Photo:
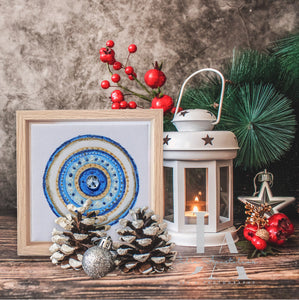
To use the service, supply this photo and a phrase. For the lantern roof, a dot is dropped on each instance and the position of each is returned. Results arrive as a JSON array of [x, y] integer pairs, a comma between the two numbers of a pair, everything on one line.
[[200, 145]]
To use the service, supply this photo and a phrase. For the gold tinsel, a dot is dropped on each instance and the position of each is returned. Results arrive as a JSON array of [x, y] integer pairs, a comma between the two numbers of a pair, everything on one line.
[[256, 214]]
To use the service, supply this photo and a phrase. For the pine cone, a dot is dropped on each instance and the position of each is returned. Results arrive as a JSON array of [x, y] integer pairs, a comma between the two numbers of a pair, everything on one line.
[[145, 246], [69, 246]]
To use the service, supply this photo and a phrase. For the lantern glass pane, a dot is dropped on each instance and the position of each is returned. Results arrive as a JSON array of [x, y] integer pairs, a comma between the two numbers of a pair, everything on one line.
[[196, 193], [168, 194], [224, 194]]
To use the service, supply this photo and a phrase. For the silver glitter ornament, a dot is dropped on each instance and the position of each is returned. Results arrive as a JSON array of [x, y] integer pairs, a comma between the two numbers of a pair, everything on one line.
[[98, 261]]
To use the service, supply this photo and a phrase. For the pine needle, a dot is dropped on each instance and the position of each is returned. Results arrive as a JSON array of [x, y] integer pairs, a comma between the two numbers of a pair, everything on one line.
[[263, 122]]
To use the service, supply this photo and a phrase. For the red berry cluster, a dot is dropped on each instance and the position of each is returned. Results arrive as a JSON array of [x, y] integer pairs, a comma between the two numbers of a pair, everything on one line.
[[276, 231], [153, 78], [107, 55]]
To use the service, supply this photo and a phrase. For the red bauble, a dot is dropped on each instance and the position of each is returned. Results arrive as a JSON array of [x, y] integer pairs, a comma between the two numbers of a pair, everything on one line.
[[105, 84], [110, 43], [117, 96], [165, 102], [115, 105], [155, 78], [132, 104], [276, 235], [117, 65], [283, 222], [258, 243], [115, 78], [129, 70], [249, 231], [132, 48], [123, 104]]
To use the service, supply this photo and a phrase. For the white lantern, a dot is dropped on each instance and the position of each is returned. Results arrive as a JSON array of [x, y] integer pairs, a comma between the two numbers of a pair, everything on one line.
[[198, 175]]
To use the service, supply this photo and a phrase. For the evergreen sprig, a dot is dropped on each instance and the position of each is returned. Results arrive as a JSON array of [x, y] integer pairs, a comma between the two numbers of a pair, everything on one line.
[[251, 66], [263, 121], [286, 52]]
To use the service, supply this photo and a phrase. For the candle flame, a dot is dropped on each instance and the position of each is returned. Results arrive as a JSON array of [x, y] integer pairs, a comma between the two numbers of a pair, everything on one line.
[[196, 199]]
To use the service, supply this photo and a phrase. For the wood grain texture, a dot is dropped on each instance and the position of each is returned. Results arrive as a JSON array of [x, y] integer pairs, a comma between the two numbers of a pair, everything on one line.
[[35, 277]]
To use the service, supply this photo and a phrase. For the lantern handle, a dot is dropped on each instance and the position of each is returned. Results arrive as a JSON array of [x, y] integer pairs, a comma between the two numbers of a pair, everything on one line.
[[221, 94]]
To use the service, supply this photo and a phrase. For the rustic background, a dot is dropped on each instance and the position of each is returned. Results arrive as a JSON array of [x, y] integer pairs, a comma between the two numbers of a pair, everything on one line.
[[49, 50]]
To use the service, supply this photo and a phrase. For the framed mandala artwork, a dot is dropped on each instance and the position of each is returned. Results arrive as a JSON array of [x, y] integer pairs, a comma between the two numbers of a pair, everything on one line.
[[110, 157]]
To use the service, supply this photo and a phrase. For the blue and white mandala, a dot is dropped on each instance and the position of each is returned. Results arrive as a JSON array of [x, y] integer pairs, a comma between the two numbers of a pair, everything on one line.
[[91, 167]]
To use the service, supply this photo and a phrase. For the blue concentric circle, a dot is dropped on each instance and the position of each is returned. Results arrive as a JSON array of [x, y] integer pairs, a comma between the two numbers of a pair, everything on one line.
[[93, 182], [78, 167], [91, 167]]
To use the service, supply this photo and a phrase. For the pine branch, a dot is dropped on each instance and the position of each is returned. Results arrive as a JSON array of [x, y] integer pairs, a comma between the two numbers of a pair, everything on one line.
[[263, 122]]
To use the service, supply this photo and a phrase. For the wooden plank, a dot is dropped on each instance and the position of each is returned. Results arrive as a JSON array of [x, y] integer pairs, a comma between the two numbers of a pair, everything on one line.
[[210, 275]]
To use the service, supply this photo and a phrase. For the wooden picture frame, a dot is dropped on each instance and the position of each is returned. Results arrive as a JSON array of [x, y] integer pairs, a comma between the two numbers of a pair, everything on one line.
[[36, 135]]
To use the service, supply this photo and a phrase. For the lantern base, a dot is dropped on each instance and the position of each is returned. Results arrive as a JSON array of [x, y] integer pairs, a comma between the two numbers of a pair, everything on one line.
[[212, 239]]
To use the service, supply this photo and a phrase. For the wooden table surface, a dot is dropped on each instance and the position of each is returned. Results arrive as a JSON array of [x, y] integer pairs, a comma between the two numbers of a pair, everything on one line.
[[194, 276]]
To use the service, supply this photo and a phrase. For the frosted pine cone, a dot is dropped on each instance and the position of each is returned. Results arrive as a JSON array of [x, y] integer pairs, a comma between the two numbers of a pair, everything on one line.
[[145, 245], [81, 231]]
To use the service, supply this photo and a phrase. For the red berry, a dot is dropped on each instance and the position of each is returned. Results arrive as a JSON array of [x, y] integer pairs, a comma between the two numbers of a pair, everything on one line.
[[249, 231], [115, 105], [115, 78], [258, 243], [117, 65], [111, 61], [165, 102], [132, 76], [283, 222], [110, 43], [102, 50], [132, 48], [132, 104], [155, 77], [107, 55], [276, 235], [174, 108], [105, 84], [117, 96], [103, 57], [123, 104], [129, 70]]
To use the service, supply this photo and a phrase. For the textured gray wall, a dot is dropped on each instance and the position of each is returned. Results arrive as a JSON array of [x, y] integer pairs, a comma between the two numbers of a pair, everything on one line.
[[49, 50]]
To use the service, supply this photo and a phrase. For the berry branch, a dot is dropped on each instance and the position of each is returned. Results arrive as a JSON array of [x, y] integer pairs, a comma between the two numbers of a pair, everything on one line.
[[154, 79]]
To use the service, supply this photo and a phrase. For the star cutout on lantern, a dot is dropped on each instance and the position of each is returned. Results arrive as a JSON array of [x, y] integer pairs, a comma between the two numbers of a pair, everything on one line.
[[208, 140], [166, 140], [184, 112], [265, 196]]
